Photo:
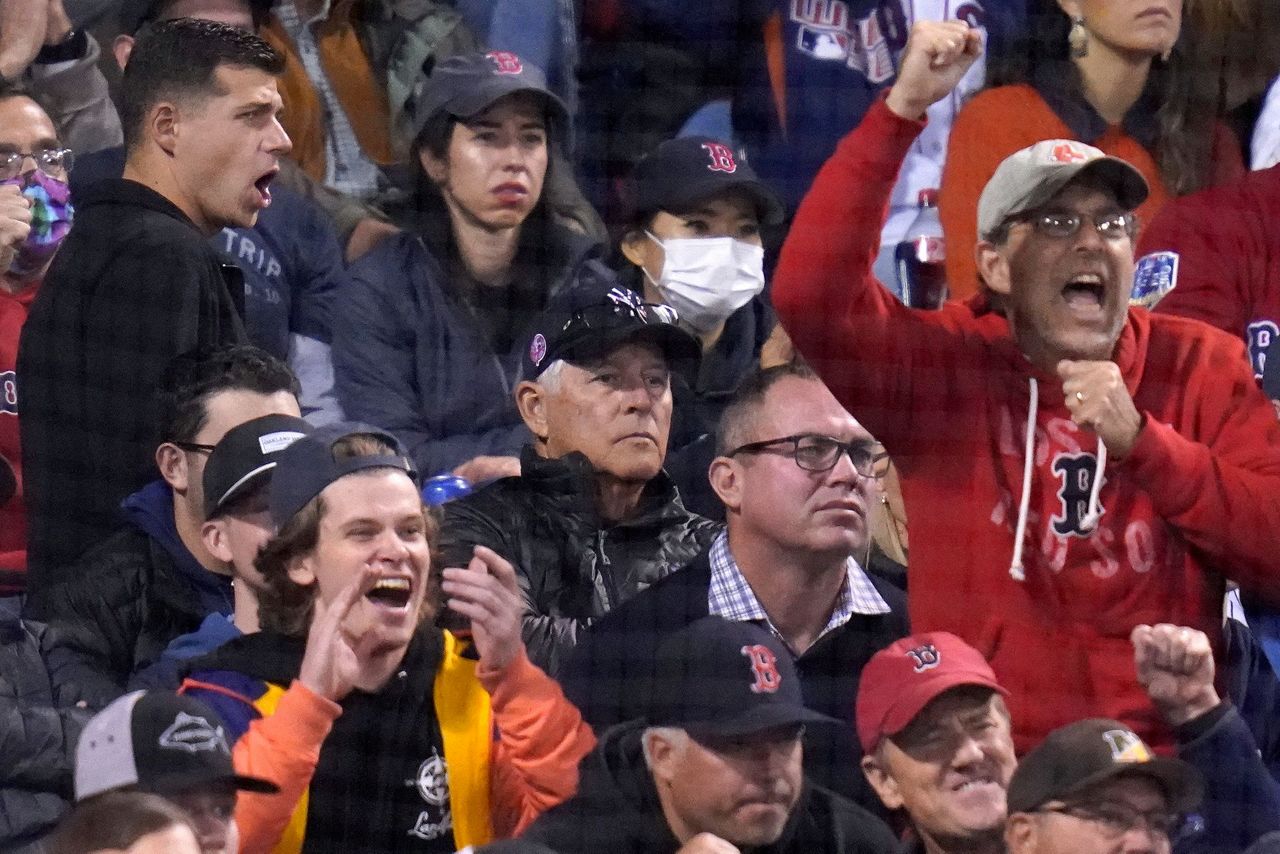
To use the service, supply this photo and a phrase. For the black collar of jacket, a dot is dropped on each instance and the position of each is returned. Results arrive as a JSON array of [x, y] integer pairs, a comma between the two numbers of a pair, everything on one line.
[[117, 191], [570, 482], [277, 658], [1062, 91]]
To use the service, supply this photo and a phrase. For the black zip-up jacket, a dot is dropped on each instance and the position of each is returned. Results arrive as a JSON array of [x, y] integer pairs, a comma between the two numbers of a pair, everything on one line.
[[39, 725], [617, 810], [572, 566], [135, 284]]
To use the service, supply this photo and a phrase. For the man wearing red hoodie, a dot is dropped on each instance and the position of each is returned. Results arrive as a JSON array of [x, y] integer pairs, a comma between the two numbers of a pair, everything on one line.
[[1071, 468]]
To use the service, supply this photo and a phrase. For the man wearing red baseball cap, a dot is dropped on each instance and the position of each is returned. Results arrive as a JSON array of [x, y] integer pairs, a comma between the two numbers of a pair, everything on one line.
[[937, 741]]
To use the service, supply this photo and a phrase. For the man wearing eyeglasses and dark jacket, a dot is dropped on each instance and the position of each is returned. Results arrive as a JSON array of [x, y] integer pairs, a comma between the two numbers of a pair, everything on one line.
[[794, 471], [592, 519]]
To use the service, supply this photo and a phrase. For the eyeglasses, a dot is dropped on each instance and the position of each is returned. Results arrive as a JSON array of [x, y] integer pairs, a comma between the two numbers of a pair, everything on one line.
[[1118, 818], [193, 447], [818, 453], [1060, 225], [52, 161]]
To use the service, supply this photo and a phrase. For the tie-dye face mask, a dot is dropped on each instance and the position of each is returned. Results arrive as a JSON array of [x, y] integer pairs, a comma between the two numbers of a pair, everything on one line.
[[51, 213]]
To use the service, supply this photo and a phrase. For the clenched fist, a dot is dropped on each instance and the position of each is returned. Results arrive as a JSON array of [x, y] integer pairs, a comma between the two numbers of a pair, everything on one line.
[[15, 222]]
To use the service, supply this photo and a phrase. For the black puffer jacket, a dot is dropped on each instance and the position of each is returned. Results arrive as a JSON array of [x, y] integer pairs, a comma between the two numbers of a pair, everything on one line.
[[39, 725], [572, 566], [617, 810]]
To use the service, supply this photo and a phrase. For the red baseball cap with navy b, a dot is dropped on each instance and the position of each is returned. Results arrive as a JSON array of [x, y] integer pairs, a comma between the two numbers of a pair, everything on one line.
[[904, 677]]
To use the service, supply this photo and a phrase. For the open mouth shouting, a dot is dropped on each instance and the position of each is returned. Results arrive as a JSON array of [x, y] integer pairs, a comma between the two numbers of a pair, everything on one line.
[[263, 185], [1085, 296], [392, 592]]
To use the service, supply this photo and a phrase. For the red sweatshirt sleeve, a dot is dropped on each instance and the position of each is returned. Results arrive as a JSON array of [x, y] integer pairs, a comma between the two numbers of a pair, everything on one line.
[[283, 748], [888, 364], [1223, 493], [541, 739]]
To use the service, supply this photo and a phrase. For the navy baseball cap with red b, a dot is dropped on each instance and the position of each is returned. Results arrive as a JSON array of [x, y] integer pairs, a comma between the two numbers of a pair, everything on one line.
[[721, 678], [682, 173], [904, 677], [467, 84]]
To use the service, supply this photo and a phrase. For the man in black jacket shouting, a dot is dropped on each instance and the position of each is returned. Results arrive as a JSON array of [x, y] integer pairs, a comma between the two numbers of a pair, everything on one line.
[[592, 519], [137, 282]]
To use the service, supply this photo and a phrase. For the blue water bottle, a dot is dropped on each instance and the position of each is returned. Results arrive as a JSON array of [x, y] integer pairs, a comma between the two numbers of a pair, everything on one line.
[[443, 488]]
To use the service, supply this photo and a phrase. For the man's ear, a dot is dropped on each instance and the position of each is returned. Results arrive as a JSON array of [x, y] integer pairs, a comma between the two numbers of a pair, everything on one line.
[[662, 756], [993, 267], [302, 571], [1071, 7], [122, 49], [885, 785], [1020, 834], [172, 463], [531, 403], [162, 126], [725, 475], [214, 535]]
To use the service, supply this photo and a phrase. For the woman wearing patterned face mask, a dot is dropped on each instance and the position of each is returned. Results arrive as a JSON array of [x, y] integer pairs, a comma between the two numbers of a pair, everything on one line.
[[694, 242], [35, 216]]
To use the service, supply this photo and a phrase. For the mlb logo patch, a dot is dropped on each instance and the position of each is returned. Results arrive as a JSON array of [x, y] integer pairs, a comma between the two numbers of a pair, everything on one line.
[[1154, 276], [823, 44]]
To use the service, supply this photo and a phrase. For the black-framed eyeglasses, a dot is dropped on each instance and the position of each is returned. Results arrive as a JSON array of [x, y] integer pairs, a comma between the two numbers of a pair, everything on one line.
[[1116, 818], [817, 453], [52, 161], [193, 447], [1061, 225]]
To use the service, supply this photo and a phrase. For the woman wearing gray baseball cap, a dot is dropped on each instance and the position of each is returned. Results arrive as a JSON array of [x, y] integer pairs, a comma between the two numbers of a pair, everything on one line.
[[429, 341]]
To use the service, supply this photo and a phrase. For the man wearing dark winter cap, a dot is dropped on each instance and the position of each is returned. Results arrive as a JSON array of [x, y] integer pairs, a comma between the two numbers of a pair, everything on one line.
[[592, 519], [1072, 468], [714, 765], [172, 746], [936, 737]]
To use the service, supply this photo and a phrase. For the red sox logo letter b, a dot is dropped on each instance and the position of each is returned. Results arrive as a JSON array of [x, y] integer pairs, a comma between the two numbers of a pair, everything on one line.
[[505, 61], [925, 657], [1068, 153], [764, 665], [722, 159]]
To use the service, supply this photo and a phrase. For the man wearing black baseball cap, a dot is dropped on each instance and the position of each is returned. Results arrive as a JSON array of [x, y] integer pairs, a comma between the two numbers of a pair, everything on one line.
[[714, 765], [1091, 785], [592, 519], [169, 745], [694, 240]]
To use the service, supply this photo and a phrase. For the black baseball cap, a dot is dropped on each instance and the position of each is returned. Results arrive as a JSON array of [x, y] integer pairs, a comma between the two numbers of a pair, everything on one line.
[[307, 466], [245, 457], [465, 85], [720, 678], [586, 324], [160, 742], [1079, 756], [134, 13], [681, 173]]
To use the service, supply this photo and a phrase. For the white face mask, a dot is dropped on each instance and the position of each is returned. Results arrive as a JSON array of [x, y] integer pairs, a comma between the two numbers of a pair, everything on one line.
[[706, 279]]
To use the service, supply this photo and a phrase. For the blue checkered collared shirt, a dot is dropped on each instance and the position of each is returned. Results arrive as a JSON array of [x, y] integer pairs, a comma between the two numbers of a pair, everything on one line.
[[731, 597]]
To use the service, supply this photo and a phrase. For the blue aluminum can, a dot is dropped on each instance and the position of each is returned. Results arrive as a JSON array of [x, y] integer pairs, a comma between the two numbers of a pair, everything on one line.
[[443, 488]]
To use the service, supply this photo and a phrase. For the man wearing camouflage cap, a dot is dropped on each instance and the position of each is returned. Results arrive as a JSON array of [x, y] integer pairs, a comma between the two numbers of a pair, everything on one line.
[[1072, 467]]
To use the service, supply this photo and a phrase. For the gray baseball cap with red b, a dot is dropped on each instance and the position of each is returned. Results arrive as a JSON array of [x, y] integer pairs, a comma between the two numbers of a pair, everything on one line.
[[1027, 179]]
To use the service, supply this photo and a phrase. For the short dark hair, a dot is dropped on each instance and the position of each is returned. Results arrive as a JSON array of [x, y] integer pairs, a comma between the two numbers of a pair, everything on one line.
[[115, 819], [177, 59], [190, 379], [748, 397], [284, 606]]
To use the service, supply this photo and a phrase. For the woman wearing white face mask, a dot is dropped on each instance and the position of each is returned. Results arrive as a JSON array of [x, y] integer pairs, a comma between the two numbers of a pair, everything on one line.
[[694, 242]]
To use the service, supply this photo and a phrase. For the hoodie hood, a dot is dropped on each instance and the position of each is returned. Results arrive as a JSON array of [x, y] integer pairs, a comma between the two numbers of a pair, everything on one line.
[[150, 510]]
